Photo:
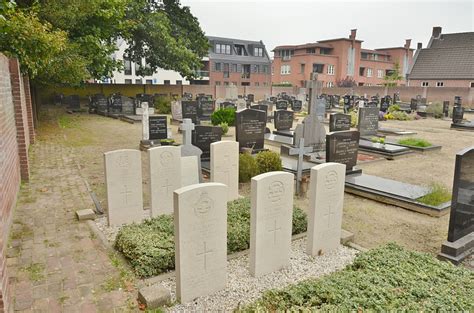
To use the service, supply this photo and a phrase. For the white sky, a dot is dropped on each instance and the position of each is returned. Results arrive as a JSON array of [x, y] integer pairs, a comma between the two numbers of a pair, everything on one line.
[[379, 23]]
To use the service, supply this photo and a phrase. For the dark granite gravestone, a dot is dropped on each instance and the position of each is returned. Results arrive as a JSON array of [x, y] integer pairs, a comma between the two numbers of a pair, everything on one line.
[[371, 104], [187, 96], [261, 107], [128, 107], [319, 108], [190, 110], [347, 103], [73, 103], [339, 122], [342, 147], [283, 119], [273, 99], [396, 97], [144, 97], [413, 104], [98, 103], [384, 105], [115, 104], [228, 104], [368, 121], [446, 108], [337, 99], [297, 105], [458, 114], [250, 98], [460, 242], [282, 105], [250, 128], [58, 98], [202, 138], [205, 109], [158, 127]]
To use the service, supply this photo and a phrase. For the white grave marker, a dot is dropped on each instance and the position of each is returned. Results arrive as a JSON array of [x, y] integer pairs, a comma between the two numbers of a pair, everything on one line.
[[189, 171], [225, 166], [145, 122]]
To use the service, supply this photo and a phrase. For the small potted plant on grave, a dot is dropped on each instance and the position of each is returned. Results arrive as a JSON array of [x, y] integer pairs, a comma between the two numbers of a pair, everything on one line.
[[167, 142]]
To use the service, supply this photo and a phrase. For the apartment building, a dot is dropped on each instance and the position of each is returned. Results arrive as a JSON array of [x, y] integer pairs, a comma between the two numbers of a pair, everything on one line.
[[337, 59], [448, 61]]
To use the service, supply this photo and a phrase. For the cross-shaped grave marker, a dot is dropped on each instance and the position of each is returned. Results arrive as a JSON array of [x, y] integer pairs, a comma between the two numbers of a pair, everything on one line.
[[205, 252], [300, 151], [187, 149], [145, 122], [187, 128], [167, 185], [274, 231]]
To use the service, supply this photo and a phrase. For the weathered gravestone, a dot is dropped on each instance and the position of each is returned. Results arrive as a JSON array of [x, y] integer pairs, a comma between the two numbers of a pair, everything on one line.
[[297, 105], [176, 111], [128, 107], [282, 105], [225, 166], [250, 129], [460, 242], [270, 222], [200, 228], [313, 132], [241, 104], [250, 98], [342, 147], [123, 181], [228, 104], [368, 121], [101, 103], [446, 108], [413, 104], [261, 107], [339, 122], [205, 109], [283, 119], [165, 177], [115, 104], [458, 114], [158, 127], [145, 123], [203, 136], [188, 149], [190, 173], [325, 208], [189, 110], [73, 103]]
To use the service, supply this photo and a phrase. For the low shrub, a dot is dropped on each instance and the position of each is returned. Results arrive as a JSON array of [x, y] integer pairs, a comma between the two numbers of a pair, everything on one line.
[[268, 161], [393, 108], [439, 194], [224, 115], [149, 246], [388, 278], [415, 142], [225, 127], [398, 115], [354, 118], [436, 109], [162, 105], [248, 167]]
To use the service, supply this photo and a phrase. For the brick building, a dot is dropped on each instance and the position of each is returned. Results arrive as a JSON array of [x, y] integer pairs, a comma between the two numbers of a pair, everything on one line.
[[337, 59], [235, 62], [448, 61]]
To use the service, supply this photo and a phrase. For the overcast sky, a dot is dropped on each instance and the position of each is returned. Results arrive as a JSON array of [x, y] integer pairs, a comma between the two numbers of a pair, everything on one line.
[[379, 23]]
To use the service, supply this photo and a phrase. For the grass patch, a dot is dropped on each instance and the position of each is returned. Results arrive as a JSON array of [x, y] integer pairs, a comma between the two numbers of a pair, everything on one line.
[[67, 121], [439, 194], [149, 246], [388, 278], [415, 142], [35, 271]]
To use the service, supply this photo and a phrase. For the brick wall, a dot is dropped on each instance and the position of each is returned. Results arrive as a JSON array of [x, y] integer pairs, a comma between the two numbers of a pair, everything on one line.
[[16, 133]]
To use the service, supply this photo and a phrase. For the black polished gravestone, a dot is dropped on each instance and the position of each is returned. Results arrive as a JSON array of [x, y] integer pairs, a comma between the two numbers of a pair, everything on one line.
[[190, 110], [282, 105], [205, 109], [458, 114], [228, 104], [384, 105], [128, 105], [73, 103], [342, 147], [250, 98], [446, 108], [157, 127], [250, 129], [396, 97], [202, 138], [283, 120], [339, 122], [115, 104], [413, 104], [261, 107], [297, 105], [460, 242], [98, 103], [348, 100], [368, 121]]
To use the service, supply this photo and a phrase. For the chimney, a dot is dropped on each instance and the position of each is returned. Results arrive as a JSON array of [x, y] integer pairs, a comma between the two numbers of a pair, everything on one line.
[[407, 43], [353, 34], [436, 32], [419, 46]]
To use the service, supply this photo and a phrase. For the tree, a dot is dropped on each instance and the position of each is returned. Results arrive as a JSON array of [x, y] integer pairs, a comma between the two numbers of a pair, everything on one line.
[[346, 82], [394, 77]]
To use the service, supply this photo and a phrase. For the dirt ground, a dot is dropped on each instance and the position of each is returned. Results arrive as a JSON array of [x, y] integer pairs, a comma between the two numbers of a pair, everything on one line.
[[372, 223]]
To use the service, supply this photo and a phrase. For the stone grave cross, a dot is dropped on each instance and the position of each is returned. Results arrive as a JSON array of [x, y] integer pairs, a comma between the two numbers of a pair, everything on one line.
[[188, 149], [315, 89], [187, 128], [300, 151], [145, 122]]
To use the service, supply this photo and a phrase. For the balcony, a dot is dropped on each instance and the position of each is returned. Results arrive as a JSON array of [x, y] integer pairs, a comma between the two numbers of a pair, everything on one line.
[[200, 74], [286, 58]]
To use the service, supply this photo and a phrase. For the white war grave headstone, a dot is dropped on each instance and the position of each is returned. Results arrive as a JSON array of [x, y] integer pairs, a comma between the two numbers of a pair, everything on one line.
[[225, 166], [188, 149]]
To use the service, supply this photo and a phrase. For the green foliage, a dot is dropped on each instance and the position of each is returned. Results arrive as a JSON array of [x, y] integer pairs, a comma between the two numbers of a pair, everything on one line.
[[394, 77], [436, 109], [149, 246], [378, 140], [398, 115], [225, 127], [224, 115], [415, 142], [248, 167], [282, 85], [354, 118], [393, 108], [388, 278], [268, 161], [439, 194], [162, 105]]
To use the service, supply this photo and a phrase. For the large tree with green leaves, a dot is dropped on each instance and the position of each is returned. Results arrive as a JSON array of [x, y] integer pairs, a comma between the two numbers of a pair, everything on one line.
[[394, 77]]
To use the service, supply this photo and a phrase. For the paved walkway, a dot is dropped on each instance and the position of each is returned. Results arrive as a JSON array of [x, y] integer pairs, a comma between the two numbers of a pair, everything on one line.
[[56, 264]]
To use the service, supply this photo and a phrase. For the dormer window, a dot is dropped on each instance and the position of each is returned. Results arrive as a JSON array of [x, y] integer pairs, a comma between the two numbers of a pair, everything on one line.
[[240, 50], [222, 49], [258, 52]]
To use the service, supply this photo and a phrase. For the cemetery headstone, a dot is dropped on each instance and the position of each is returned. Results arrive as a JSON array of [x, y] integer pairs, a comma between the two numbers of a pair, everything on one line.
[[165, 177], [342, 147], [225, 166], [187, 148], [297, 105], [339, 122], [446, 108], [250, 98], [228, 104], [396, 97], [347, 103], [282, 105], [115, 104], [128, 107], [187, 96], [200, 227], [261, 107], [283, 119], [158, 127], [145, 122], [325, 208], [176, 110], [241, 104], [270, 222], [190, 173], [300, 151], [368, 121], [189, 110], [312, 131], [458, 114], [73, 102], [205, 109], [413, 104], [250, 129], [203, 136], [123, 181]]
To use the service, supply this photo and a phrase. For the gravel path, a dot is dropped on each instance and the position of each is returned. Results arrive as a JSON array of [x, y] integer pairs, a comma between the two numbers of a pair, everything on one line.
[[243, 288]]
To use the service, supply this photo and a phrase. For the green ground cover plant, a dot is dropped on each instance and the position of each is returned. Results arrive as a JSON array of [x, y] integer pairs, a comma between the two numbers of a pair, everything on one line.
[[386, 279], [149, 246], [224, 115], [439, 194], [415, 142], [268, 161]]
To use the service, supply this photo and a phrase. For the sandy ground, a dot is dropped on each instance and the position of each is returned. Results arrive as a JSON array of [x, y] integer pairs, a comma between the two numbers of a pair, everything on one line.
[[372, 223]]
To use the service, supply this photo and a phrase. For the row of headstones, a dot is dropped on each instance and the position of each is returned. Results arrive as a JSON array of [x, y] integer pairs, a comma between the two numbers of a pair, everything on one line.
[[200, 213], [169, 170]]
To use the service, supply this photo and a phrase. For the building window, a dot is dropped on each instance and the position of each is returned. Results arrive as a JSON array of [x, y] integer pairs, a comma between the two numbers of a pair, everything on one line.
[[127, 65], [364, 56], [128, 81], [137, 68], [472, 84], [265, 69], [222, 49], [226, 83], [256, 69], [265, 84], [302, 66], [286, 54], [234, 83], [167, 82], [218, 66], [258, 52], [138, 81], [240, 50], [331, 69], [324, 51], [234, 68], [424, 84], [218, 83], [285, 70], [361, 71], [330, 84], [439, 84], [380, 73], [369, 72], [257, 84], [226, 70], [179, 82], [310, 50], [318, 68], [149, 81], [375, 57]]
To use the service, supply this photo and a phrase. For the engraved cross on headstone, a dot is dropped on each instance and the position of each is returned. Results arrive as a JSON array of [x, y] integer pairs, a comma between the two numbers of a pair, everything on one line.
[[167, 185], [328, 214], [126, 192], [300, 151], [205, 252], [187, 128], [274, 231]]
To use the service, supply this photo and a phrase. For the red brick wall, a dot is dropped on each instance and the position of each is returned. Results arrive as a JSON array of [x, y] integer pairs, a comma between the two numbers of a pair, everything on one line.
[[29, 108]]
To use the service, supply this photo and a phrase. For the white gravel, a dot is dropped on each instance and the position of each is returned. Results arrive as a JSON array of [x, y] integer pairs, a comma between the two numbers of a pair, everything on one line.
[[243, 288], [111, 232]]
